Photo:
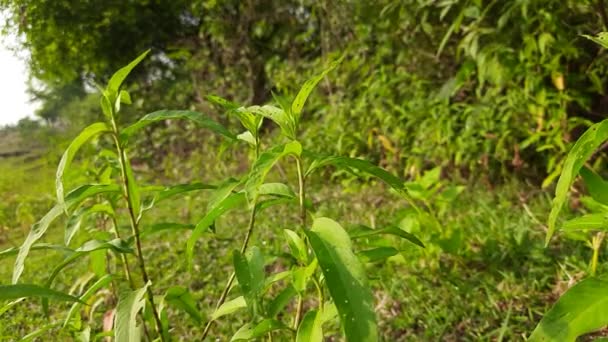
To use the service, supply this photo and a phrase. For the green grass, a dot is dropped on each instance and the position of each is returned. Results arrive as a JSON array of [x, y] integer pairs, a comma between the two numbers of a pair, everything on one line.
[[485, 274]]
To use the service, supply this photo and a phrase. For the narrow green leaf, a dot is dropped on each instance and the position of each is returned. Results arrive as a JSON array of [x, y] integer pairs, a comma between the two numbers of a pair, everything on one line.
[[98, 262], [278, 116], [244, 333], [302, 274], [350, 164], [229, 307], [330, 311], [265, 204], [74, 198], [75, 221], [601, 39], [39, 246], [83, 192], [255, 260], [226, 104], [281, 300], [232, 201], [241, 269], [117, 245], [296, 245], [181, 298], [249, 269], [196, 117], [264, 163], [273, 278], [39, 332], [283, 101], [308, 87], [119, 77], [581, 310], [345, 278], [222, 192], [580, 152], [311, 328], [248, 138], [248, 119], [106, 106], [597, 187], [593, 205], [10, 292], [179, 189], [362, 231], [87, 134], [276, 189], [377, 254], [587, 222], [38, 229], [125, 320], [99, 284], [266, 326], [10, 305], [125, 97]]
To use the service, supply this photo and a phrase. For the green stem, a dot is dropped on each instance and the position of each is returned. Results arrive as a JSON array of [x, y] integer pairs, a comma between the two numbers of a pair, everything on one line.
[[301, 194], [122, 158], [302, 198], [596, 243], [320, 295], [224, 294], [125, 262], [127, 271]]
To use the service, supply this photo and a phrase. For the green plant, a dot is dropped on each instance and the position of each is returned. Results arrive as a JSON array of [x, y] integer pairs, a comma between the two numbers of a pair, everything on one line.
[[582, 309], [320, 258], [116, 186], [321, 270]]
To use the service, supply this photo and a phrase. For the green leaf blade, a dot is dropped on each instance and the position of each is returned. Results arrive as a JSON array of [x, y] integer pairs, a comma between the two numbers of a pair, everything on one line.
[[181, 298], [74, 198], [234, 200], [597, 187], [229, 307], [119, 77], [264, 163], [345, 278], [581, 310], [196, 117], [578, 155], [308, 87], [311, 328], [85, 135], [125, 320]]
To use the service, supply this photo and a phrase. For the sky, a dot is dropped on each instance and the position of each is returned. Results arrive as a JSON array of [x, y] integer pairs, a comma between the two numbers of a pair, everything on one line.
[[15, 103]]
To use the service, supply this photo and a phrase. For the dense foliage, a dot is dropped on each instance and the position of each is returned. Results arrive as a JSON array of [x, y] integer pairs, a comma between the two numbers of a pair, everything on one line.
[[220, 211], [500, 84]]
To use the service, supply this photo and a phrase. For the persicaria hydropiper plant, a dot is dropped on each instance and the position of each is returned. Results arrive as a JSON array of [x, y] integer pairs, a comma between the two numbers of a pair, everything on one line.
[[326, 280]]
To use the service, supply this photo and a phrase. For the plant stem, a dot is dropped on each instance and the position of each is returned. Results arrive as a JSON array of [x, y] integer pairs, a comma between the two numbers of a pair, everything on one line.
[[301, 195], [122, 158], [224, 294], [302, 198], [320, 295], [125, 262], [127, 271], [596, 243]]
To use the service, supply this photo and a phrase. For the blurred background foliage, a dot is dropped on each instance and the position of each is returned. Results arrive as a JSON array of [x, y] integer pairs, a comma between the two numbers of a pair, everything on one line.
[[474, 86]]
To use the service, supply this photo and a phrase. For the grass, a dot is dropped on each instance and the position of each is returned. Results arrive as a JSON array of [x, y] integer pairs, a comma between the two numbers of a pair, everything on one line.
[[485, 274]]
